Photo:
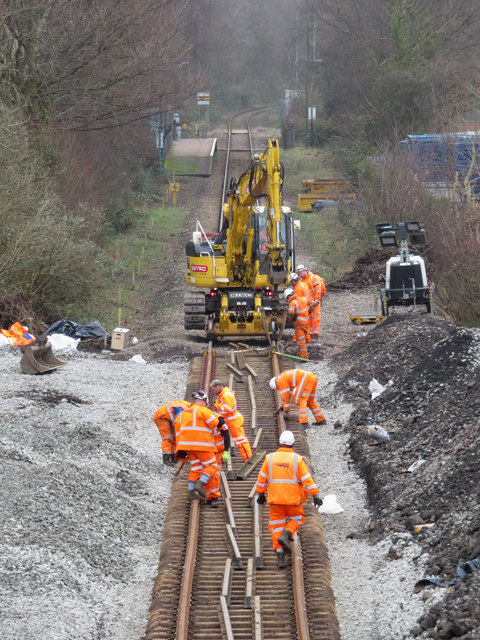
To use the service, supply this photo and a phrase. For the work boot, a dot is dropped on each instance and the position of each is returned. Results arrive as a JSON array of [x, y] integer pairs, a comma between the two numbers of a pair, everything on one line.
[[281, 559], [285, 541], [192, 495], [200, 488], [324, 421], [214, 503]]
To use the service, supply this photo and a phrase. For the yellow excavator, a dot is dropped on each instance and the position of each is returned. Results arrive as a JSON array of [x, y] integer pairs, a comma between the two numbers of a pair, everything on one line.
[[241, 268]]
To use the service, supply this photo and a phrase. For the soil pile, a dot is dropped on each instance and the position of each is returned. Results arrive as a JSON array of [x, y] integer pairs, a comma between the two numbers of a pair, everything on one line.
[[425, 477]]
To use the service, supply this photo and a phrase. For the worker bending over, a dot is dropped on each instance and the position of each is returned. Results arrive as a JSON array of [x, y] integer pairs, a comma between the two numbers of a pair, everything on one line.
[[226, 406], [284, 483], [316, 286], [195, 427], [164, 418], [300, 387], [298, 314]]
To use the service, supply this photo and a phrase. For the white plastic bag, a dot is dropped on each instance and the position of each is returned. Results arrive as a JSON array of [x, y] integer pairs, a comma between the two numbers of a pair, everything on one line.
[[62, 343], [330, 505], [137, 359], [375, 388]]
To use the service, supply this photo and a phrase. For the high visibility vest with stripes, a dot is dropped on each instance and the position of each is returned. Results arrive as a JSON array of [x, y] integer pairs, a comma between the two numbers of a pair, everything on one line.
[[316, 284], [304, 290], [299, 305], [285, 478], [164, 418], [195, 427], [226, 406], [294, 383]]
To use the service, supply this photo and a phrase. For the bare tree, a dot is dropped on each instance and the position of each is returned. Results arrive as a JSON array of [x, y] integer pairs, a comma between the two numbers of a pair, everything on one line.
[[93, 64]]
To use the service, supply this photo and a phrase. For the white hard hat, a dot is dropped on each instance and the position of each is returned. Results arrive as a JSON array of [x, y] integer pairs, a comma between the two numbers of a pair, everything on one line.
[[200, 395], [294, 276], [287, 292], [287, 438], [273, 383], [301, 267]]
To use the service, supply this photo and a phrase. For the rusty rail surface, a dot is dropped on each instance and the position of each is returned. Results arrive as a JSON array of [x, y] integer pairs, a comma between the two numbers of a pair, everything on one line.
[[217, 568]]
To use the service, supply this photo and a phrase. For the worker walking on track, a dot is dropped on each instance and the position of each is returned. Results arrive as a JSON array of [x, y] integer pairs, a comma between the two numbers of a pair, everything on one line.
[[298, 314], [163, 418], [300, 387], [316, 285], [284, 483], [226, 406], [195, 428]]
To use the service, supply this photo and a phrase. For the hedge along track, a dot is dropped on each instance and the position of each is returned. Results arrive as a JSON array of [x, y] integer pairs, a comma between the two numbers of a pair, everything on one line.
[[217, 579]]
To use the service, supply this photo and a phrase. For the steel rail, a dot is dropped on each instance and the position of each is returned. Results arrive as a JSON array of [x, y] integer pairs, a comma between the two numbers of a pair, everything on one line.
[[220, 567], [253, 111], [183, 616]]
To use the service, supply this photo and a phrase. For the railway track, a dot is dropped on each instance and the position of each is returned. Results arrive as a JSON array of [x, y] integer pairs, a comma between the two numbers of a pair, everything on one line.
[[218, 576]]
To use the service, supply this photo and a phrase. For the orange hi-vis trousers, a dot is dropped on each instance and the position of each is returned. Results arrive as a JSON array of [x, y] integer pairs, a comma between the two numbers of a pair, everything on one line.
[[213, 485], [301, 332], [201, 462], [315, 318], [284, 516], [240, 440], [307, 401]]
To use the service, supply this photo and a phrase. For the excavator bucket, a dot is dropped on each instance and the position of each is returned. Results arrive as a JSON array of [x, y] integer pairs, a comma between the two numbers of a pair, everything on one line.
[[38, 357]]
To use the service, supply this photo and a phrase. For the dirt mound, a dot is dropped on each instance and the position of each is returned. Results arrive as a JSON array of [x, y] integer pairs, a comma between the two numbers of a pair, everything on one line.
[[366, 271], [431, 411]]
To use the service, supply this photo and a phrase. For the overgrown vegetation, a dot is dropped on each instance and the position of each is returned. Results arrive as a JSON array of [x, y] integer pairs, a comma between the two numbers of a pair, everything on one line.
[[77, 157]]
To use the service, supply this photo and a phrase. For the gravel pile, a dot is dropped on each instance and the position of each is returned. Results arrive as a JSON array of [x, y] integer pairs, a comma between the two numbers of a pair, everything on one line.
[[84, 494]]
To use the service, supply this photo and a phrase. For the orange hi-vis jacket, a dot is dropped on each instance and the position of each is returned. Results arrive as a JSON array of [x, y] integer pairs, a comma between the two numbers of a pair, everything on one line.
[[18, 334], [316, 284], [285, 478], [195, 427], [303, 289], [294, 383], [164, 417], [298, 306], [226, 406]]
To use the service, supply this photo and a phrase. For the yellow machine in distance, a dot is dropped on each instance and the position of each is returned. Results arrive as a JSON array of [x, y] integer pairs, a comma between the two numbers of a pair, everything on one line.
[[245, 263]]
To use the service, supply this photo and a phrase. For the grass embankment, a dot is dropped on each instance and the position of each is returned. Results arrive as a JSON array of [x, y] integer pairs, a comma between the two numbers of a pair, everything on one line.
[[138, 257], [326, 234]]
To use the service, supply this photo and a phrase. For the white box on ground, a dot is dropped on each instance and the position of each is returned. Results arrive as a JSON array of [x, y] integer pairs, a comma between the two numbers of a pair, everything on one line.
[[120, 338]]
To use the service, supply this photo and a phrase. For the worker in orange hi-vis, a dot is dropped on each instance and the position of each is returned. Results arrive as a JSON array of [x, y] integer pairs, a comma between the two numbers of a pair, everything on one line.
[[316, 285], [302, 288], [226, 406], [195, 427], [222, 438], [300, 387], [164, 417], [298, 314], [284, 482]]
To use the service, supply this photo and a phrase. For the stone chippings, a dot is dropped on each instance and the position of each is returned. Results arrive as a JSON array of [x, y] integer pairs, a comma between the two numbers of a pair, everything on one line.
[[84, 494], [432, 411]]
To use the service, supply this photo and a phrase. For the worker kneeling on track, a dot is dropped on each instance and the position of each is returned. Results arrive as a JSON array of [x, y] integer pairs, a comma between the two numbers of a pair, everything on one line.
[[300, 387], [195, 427], [226, 406], [284, 483], [164, 418]]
